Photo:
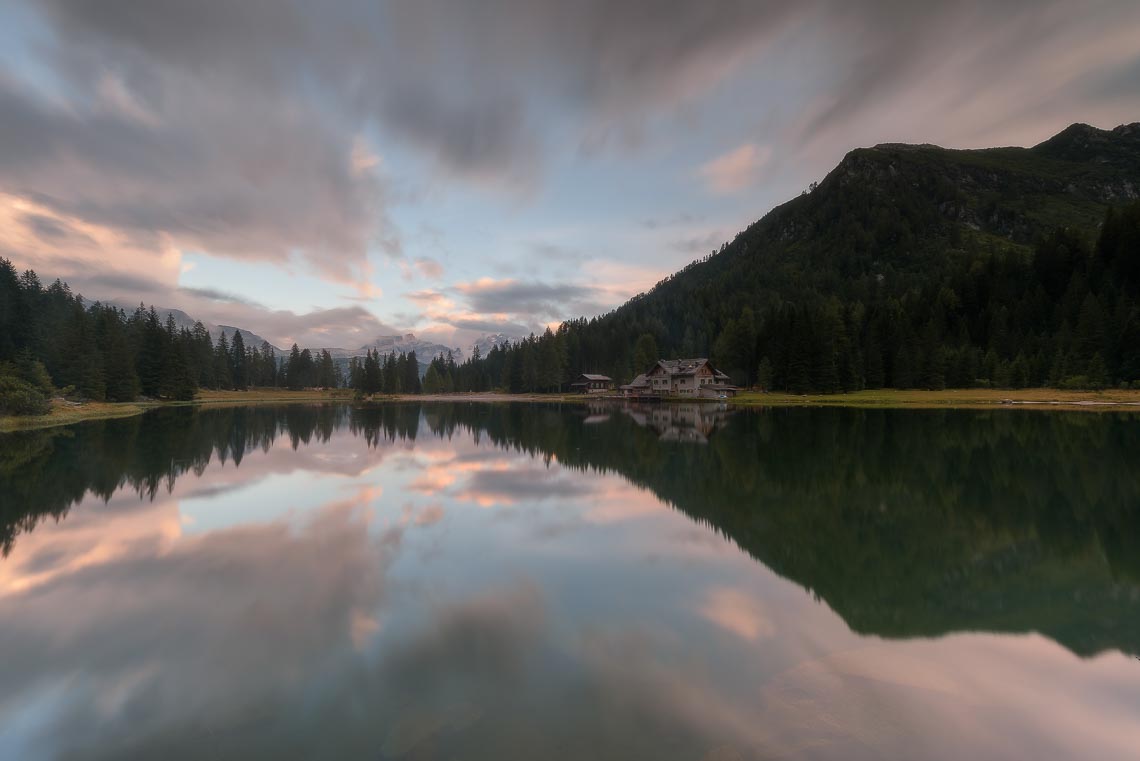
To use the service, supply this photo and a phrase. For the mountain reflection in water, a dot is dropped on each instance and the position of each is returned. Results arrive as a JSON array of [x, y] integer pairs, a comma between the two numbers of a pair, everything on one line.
[[529, 581]]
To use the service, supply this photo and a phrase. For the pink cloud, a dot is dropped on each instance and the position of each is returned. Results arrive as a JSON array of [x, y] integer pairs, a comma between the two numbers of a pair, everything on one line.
[[736, 170]]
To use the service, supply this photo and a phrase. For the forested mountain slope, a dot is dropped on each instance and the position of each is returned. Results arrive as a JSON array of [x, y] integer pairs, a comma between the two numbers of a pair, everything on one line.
[[908, 265]]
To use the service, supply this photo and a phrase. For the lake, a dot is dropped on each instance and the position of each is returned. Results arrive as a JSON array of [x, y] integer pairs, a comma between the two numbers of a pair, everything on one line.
[[522, 581]]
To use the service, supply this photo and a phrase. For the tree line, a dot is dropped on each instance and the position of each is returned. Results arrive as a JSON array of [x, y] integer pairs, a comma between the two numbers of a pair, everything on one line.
[[52, 341], [973, 310], [981, 311], [384, 374]]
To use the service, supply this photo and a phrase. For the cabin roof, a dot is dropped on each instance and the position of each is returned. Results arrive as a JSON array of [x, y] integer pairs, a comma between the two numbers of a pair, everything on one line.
[[594, 377]]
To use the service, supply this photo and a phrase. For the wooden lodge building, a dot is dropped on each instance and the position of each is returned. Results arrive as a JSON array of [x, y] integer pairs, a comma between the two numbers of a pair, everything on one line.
[[591, 383], [695, 378]]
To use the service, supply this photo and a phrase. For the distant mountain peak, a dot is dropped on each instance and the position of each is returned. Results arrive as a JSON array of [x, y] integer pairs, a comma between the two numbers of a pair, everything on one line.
[[1085, 143]]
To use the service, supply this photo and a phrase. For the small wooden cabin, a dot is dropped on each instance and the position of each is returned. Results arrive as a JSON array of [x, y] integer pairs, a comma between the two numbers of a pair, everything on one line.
[[591, 383]]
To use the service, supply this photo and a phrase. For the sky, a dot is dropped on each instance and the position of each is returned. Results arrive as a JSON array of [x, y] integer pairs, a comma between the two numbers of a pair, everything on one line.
[[324, 173]]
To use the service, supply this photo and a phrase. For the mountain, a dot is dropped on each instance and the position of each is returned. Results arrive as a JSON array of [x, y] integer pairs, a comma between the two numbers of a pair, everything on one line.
[[407, 343], [899, 208], [485, 343], [400, 344], [1082, 143], [907, 266], [183, 320], [251, 339]]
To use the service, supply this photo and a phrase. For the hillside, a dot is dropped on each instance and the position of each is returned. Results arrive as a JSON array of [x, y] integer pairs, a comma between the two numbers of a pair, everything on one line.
[[908, 266], [893, 207]]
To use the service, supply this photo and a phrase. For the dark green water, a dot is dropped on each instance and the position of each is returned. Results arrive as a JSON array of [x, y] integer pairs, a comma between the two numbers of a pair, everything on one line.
[[532, 582]]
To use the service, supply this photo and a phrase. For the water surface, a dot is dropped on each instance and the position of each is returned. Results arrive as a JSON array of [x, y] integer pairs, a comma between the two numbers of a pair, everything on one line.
[[539, 582]]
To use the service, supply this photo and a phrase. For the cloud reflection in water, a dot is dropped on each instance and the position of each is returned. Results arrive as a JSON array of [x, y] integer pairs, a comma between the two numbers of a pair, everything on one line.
[[376, 610]]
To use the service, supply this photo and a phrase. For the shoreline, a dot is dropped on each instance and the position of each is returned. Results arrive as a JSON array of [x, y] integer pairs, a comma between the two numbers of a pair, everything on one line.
[[67, 413]]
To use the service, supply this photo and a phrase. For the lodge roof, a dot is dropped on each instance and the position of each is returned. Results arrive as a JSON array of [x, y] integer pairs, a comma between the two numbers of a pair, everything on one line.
[[594, 377], [638, 382], [687, 366]]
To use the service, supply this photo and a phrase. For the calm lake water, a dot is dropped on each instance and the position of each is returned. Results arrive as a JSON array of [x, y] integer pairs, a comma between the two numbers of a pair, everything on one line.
[[529, 582]]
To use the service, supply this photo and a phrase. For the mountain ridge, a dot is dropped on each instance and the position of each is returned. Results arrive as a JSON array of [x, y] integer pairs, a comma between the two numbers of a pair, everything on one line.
[[879, 170], [905, 266]]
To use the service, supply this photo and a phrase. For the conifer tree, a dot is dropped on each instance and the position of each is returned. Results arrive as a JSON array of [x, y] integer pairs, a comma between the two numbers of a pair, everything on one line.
[[239, 363]]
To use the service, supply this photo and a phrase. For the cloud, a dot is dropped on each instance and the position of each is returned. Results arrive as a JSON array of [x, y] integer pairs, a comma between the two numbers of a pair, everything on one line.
[[151, 589], [736, 612], [529, 484], [736, 170], [427, 297], [519, 307], [479, 325], [547, 250], [52, 229], [339, 327], [514, 307], [679, 218], [214, 294], [239, 175], [482, 138], [255, 130], [429, 515], [429, 267], [700, 243], [533, 298], [95, 260]]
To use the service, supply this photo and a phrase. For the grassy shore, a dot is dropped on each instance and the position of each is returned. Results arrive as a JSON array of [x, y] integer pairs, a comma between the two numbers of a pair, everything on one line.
[[66, 413], [966, 398]]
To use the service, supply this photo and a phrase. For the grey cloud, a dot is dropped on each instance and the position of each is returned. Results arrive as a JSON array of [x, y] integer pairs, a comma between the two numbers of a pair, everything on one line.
[[533, 298], [231, 124], [701, 244], [510, 328], [326, 328], [215, 656], [1116, 83], [485, 138], [339, 327], [122, 283], [54, 230], [239, 175], [532, 483], [989, 62], [99, 283], [547, 250], [214, 294], [680, 218], [429, 268], [486, 88], [598, 55], [468, 84], [490, 635]]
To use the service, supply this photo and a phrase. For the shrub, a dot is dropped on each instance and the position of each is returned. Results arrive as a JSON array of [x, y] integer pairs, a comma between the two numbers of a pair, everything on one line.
[[1077, 383], [29, 371], [19, 397]]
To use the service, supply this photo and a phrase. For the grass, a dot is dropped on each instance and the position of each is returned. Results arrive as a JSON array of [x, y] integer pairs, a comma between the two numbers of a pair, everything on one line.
[[66, 413], [271, 396], [952, 398]]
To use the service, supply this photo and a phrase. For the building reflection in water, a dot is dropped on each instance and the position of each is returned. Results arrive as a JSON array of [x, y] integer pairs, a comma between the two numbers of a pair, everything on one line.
[[688, 422]]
